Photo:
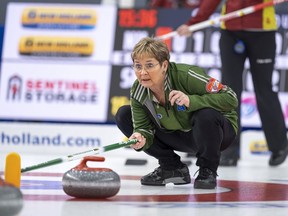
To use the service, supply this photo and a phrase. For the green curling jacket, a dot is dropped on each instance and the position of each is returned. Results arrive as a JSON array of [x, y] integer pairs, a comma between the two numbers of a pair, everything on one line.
[[202, 90]]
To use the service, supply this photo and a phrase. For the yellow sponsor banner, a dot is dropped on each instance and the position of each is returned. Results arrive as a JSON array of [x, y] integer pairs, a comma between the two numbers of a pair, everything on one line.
[[59, 18], [258, 147], [56, 46]]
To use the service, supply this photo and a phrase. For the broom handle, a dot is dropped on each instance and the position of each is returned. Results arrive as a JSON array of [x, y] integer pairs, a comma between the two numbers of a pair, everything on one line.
[[229, 16], [79, 155]]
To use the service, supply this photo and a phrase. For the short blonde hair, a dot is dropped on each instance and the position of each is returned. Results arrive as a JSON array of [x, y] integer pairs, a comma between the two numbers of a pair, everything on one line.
[[151, 47]]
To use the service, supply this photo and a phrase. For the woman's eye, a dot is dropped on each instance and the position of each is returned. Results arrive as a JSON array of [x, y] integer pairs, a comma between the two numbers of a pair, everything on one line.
[[138, 66], [149, 66]]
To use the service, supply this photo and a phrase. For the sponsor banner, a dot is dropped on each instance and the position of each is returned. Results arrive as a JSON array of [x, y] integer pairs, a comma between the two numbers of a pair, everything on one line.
[[58, 18], [56, 138], [254, 147], [54, 92], [59, 31], [249, 112], [56, 46]]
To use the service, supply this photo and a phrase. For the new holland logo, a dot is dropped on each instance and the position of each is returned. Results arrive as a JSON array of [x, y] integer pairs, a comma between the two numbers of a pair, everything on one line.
[[14, 88], [259, 147], [59, 18], [56, 46]]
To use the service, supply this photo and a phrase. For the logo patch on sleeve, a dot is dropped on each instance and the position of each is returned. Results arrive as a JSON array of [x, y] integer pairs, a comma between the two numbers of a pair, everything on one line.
[[214, 86]]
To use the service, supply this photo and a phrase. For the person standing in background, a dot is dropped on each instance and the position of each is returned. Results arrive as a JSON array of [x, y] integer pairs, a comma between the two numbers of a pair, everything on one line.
[[251, 36]]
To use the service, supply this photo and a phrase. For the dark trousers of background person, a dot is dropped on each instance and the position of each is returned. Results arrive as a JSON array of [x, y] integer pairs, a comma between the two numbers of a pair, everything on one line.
[[211, 133], [260, 49]]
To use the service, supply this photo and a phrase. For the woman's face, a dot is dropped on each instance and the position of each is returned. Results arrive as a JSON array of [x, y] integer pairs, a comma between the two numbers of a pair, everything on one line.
[[149, 72]]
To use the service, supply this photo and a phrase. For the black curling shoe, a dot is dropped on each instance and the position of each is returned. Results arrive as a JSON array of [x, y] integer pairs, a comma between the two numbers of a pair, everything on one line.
[[161, 177], [279, 157], [206, 179]]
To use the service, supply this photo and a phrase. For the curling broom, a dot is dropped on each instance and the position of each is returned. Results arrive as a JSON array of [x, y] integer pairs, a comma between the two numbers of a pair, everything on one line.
[[10, 166], [229, 16]]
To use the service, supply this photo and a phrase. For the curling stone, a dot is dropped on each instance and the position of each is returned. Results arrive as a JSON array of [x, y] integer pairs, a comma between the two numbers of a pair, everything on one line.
[[11, 199], [88, 182]]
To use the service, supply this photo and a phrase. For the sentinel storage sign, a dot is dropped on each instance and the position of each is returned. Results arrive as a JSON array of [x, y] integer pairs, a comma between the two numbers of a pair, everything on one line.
[[54, 92], [56, 62]]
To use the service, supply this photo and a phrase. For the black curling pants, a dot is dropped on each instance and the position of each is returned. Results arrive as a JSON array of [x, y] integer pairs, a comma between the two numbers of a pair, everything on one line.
[[260, 48], [211, 133]]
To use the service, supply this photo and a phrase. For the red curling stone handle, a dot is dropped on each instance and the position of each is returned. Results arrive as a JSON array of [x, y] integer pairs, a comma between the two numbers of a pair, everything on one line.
[[83, 164]]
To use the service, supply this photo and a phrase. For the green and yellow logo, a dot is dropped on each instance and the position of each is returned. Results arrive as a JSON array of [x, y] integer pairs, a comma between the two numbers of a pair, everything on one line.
[[56, 46], [258, 147], [59, 18]]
